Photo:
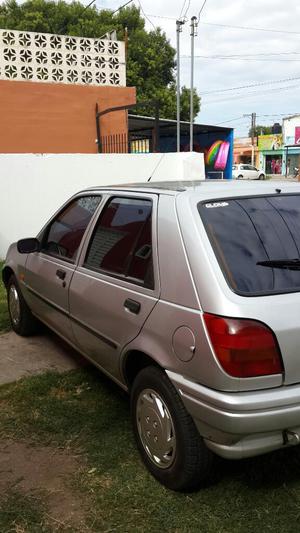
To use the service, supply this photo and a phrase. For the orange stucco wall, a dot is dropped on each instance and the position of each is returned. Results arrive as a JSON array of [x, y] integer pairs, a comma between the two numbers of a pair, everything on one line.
[[58, 118]]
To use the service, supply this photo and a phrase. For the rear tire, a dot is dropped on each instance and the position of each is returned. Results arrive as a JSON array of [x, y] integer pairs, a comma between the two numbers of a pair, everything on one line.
[[22, 320], [166, 435], [240, 177]]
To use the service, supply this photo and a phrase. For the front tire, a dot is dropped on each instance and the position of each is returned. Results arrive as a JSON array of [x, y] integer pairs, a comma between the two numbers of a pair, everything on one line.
[[166, 435], [22, 321], [261, 177]]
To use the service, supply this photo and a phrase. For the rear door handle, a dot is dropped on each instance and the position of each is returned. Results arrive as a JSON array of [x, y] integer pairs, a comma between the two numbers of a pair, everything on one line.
[[61, 274], [132, 306]]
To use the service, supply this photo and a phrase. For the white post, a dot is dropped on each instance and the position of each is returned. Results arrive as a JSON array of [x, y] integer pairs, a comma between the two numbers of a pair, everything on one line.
[[179, 24], [194, 24]]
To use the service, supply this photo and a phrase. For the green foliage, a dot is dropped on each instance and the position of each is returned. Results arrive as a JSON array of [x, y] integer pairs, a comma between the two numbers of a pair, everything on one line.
[[166, 97], [185, 103], [261, 130], [151, 58]]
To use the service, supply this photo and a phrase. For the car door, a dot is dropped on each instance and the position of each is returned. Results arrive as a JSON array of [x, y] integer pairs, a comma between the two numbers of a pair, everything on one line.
[[49, 272], [116, 285], [253, 172], [246, 172]]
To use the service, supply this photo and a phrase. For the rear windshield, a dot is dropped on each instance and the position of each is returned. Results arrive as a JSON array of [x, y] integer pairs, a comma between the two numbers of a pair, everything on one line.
[[246, 231]]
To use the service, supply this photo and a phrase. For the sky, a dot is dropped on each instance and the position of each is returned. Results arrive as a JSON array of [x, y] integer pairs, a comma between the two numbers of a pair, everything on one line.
[[261, 57]]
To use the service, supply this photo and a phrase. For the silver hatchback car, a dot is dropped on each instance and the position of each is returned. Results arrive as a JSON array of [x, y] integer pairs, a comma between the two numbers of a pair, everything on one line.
[[187, 295]]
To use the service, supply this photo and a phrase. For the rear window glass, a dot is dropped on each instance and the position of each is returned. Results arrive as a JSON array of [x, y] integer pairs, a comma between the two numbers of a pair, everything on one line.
[[244, 232], [122, 241]]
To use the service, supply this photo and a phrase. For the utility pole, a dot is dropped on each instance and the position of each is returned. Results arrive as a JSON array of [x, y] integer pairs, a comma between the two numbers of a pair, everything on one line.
[[179, 24], [194, 24], [253, 128]]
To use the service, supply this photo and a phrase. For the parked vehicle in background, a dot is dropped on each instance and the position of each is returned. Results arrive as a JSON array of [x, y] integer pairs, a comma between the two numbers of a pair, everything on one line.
[[247, 172], [186, 297]]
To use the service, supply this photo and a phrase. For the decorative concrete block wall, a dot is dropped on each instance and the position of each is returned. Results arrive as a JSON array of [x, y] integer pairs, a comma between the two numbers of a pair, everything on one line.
[[42, 57]]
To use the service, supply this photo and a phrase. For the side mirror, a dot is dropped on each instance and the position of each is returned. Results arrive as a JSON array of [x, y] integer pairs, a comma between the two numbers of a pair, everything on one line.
[[28, 246]]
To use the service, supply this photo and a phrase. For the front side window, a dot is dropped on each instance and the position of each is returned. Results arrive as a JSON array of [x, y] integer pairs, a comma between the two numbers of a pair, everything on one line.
[[121, 243], [256, 242], [65, 232]]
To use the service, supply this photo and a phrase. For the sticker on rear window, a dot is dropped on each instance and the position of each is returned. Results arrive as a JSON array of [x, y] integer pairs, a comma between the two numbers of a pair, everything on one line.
[[216, 204]]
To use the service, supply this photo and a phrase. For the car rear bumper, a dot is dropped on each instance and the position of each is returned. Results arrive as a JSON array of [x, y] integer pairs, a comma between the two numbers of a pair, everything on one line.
[[242, 424]]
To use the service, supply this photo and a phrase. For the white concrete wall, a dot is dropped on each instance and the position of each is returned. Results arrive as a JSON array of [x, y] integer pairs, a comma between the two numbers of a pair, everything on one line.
[[33, 186]]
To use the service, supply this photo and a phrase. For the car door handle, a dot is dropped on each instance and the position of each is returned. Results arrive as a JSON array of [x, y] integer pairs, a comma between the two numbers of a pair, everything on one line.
[[61, 274], [132, 306]]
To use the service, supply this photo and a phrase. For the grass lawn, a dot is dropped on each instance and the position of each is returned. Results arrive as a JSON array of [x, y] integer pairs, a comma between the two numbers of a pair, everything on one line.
[[84, 416], [84, 413]]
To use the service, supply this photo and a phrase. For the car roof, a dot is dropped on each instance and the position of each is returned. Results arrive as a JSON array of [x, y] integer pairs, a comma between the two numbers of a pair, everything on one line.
[[205, 188]]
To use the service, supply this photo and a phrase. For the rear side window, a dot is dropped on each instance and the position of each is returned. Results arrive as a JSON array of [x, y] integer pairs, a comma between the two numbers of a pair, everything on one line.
[[244, 232], [121, 243]]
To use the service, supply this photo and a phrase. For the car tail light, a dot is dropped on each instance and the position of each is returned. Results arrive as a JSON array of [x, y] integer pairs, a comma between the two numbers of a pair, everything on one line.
[[244, 348]]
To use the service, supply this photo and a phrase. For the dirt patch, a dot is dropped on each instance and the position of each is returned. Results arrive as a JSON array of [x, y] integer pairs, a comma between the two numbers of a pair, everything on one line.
[[25, 356], [35, 469]]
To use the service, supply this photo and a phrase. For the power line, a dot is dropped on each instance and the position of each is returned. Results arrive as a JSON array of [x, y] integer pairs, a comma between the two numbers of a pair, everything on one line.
[[121, 7], [280, 114], [201, 9], [249, 95], [250, 28], [230, 120], [253, 93], [245, 58], [257, 84], [89, 5], [161, 17], [187, 9], [65, 25], [146, 16], [183, 5], [253, 55]]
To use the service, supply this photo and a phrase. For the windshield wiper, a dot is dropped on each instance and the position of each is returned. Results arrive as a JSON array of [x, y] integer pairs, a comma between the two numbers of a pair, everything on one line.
[[288, 264]]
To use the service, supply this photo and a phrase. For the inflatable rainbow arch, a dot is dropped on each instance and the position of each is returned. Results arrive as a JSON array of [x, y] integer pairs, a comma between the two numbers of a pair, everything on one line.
[[217, 155]]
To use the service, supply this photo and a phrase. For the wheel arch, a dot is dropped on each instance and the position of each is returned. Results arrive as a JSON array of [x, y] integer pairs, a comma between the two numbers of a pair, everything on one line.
[[7, 272], [133, 362]]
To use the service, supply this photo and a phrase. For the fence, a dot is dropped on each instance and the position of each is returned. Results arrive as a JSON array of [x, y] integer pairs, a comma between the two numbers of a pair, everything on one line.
[[122, 143], [114, 144]]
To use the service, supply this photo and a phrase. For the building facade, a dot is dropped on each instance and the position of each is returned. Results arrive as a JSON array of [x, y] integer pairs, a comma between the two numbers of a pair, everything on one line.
[[243, 148], [271, 151], [291, 136], [49, 88]]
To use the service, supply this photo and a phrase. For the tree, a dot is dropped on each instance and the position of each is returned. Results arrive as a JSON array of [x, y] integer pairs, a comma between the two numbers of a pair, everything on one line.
[[261, 130], [166, 97], [151, 59]]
